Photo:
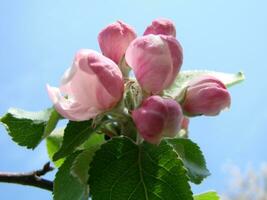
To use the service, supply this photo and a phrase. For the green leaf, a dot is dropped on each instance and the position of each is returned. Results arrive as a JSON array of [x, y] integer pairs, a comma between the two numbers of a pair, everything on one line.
[[67, 187], [53, 143], [75, 134], [93, 139], [192, 158], [122, 170], [29, 128], [51, 123], [81, 165], [177, 88], [207, 196]]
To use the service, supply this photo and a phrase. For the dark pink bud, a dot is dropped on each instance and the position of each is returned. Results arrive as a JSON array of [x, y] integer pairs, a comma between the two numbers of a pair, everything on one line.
[[161, 26], [158, 117], [114, 40], [206, 95]]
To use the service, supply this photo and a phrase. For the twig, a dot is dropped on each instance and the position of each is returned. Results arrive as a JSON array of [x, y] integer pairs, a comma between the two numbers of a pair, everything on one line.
[[30, 178]]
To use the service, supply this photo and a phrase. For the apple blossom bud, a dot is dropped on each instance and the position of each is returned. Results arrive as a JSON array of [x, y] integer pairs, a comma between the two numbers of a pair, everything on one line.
[[185, 123], [206, 95], [91, 86], [114, 40], [155, 60], [161, 26], [158, 117]]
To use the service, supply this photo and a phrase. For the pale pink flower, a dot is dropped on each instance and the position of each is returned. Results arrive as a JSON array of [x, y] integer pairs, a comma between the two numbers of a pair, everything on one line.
[[91, 86]]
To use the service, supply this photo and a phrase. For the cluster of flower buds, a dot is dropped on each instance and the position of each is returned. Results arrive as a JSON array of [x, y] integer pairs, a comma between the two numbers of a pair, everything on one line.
[[95, 84]]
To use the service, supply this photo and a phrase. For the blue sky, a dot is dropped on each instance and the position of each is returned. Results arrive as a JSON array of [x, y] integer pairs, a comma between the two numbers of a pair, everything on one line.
[[39, 39]]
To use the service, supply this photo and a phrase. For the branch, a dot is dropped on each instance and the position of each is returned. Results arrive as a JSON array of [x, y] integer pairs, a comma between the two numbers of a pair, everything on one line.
[[30, 178]]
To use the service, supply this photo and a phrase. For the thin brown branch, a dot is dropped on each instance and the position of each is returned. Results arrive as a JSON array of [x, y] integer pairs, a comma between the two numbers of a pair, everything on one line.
[[30, 178]]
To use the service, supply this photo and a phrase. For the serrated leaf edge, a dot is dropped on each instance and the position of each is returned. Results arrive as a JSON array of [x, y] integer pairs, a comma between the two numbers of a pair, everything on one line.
[[183, 169], [196, 145]]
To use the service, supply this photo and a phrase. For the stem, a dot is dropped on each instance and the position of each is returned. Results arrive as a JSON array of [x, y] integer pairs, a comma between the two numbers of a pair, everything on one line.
[[138, 139], [30, 178]]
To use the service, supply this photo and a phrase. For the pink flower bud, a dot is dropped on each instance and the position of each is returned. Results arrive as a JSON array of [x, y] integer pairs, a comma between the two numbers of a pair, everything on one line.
[[161, 26], [185, 123], [158, 117], [114, 40], [91, 86], [155, 60], [206, 95]]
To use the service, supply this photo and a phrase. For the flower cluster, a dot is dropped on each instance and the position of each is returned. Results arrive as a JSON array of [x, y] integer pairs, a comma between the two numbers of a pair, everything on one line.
[[95, 82]]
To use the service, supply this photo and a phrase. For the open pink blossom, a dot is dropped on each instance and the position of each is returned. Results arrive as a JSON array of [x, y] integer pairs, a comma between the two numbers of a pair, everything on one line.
[[206, 95], [161, 26], [158, 117], [114, 40], [155, 60], [91, 86]]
